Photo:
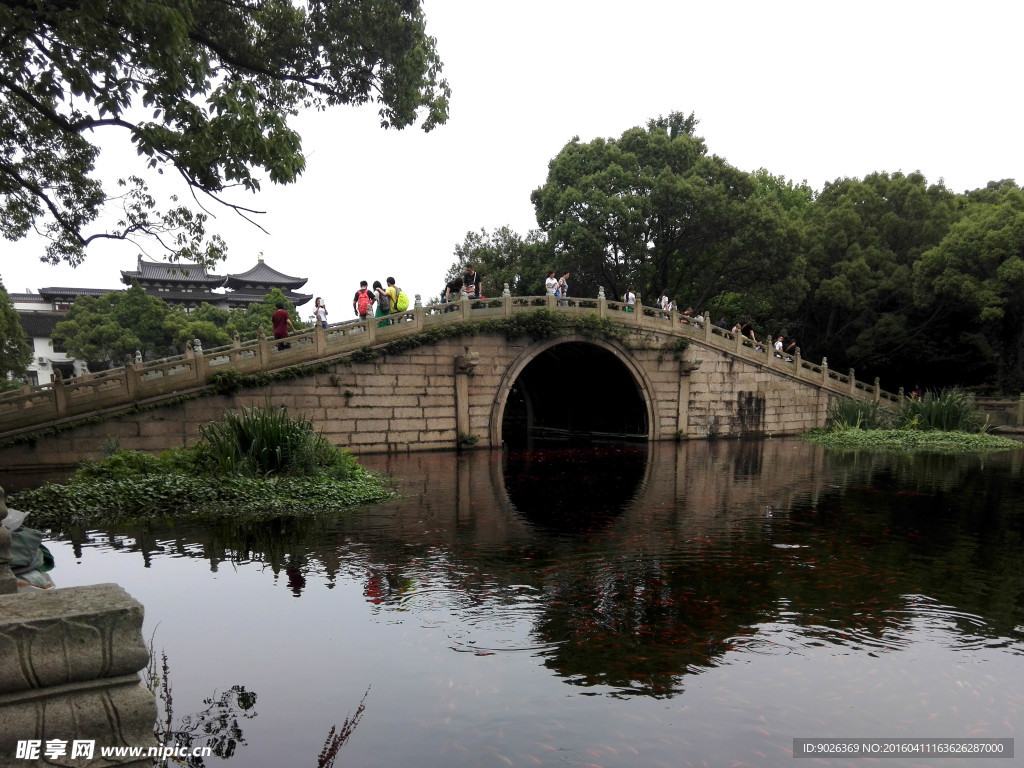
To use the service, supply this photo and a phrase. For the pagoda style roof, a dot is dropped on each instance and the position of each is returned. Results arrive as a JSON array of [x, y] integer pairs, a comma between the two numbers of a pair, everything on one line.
[[263, 275], [238, 298], [170, 273], [40, 324], [188, 297], [67, 293]]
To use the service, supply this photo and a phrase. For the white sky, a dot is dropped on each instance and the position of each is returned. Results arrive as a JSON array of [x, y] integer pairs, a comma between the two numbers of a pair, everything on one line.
[[809, 90]]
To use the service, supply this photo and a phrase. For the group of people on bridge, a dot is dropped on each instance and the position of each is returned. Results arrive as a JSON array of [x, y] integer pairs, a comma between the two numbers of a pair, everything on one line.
[[382, 301]]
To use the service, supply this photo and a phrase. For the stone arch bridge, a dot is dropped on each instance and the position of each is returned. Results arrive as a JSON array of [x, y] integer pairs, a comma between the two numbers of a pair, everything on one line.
[[481, 373]]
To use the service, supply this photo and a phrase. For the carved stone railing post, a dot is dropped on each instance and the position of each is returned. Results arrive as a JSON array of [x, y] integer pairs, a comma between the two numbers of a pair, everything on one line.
[[263, 345], [60, 395], [200, 365], [824, 371], [506, 301], [8, 583], [320, 339], [853, 383], [878, 389], [602, 302], [132, 380], [418, 312]]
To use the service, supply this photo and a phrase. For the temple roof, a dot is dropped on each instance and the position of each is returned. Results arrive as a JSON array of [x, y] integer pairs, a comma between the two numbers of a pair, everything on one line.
[[188, 297], [170, 272], [40, 324], [60, 293], [262, 274], [254, 297]]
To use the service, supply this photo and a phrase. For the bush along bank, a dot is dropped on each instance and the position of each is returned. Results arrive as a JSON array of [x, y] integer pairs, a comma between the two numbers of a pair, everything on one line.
[[260, 465], [942, 422]]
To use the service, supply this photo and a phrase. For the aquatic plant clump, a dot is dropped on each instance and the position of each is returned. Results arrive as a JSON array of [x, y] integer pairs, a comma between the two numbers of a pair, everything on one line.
[[933, 441], [848, 413], [948, 410], [259, 465]]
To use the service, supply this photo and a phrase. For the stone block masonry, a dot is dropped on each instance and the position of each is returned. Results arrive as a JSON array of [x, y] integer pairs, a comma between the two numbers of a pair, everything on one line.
[[436, 397]]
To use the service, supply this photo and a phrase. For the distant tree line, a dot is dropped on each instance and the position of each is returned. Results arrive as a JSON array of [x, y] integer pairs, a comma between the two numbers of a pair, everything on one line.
[[889, 275]]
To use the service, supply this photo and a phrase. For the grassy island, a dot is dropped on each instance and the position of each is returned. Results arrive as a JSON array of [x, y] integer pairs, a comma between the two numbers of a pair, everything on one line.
[[260, 465], [943, 422]]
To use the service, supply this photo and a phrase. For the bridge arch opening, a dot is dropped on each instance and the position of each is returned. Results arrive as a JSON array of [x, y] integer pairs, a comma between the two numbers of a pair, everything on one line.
[[575, 392]]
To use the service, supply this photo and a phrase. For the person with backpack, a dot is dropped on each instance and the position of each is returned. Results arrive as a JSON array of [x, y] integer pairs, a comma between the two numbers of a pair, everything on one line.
[[383, 303], [363, 301], [399, 298]]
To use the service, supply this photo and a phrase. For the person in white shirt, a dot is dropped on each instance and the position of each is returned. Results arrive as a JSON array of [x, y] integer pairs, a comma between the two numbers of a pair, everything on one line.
[[629, 299], [321, 312], [551, 283]]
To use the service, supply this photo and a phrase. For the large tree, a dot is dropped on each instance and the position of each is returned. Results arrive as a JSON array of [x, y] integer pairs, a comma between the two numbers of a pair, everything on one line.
[[862, 238], [976, 275], [15, 352], [247, 322], [204, 89], [504, 256], [653, 208], [104, 330]]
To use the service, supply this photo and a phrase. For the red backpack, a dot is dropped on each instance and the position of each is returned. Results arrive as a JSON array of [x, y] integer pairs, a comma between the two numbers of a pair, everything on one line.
[[363, 301]]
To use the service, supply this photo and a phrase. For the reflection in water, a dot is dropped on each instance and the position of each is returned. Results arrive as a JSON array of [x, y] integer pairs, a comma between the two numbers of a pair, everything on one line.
[[766, 589], [574, 490], [217, 727]]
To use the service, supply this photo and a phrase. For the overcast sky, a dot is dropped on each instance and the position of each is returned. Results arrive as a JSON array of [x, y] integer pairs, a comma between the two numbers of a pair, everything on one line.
[[811, 91]]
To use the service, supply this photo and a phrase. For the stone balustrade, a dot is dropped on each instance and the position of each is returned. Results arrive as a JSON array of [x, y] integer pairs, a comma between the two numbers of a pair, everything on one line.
[[109, 392]]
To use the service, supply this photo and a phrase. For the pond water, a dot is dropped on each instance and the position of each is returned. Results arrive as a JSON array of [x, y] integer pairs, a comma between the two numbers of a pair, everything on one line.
[[693, 604]]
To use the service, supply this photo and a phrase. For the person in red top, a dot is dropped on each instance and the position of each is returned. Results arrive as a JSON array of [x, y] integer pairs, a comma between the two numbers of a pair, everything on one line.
[[362, 302], [282, 322]]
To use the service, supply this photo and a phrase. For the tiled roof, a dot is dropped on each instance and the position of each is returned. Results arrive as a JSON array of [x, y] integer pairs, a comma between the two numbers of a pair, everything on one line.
[[173, 297], [249, 297], [24, 298], [56, 293], [40, 324], [262, 274], [170, 272]]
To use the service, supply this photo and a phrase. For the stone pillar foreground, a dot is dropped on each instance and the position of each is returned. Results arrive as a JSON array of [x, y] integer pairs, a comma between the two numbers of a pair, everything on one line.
[[69, 664]]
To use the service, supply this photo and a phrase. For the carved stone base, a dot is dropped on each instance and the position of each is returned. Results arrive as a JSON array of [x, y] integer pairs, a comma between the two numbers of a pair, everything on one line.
[[69, 663]]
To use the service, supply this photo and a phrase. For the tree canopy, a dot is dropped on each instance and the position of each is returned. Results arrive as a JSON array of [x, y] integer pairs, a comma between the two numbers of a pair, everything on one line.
[[104, 330], [15, 351], [203, 89], [890, 274], [654, 209], [976, 275], [503, 256]]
